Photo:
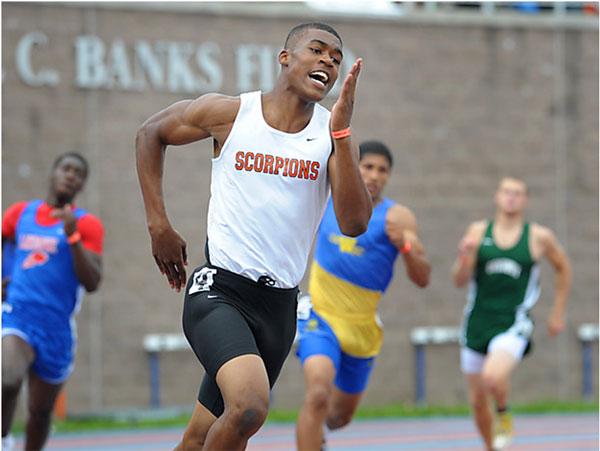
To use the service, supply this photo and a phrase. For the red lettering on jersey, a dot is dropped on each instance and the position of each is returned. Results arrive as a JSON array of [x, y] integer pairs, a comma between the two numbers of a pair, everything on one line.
[[35, 259], [314, 170], [269, 164], [239, 160], [247, 166], [278, 165], [303, 171], [293, 167], [258, 162], [285, 170]]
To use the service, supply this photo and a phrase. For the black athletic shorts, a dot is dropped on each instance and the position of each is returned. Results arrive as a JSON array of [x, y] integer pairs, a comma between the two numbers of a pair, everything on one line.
[[226, 315]]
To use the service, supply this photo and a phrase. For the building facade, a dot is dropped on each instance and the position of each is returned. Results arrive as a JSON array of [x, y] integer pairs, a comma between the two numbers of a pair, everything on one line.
[[461, 101]]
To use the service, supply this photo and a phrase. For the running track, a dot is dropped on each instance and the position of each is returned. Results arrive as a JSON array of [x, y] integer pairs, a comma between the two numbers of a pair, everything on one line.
[[549, 432]]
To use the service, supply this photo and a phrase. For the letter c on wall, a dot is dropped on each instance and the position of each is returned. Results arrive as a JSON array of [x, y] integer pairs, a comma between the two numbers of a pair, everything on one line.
[[45, 77]]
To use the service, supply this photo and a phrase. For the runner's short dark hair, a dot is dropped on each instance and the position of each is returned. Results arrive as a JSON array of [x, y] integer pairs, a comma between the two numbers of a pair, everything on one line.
[[299, 29], [375, 147]]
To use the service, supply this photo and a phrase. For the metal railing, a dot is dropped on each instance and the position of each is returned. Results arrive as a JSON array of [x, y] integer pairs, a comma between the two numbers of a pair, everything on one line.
[[438, 335], [587, 334], [153, 345]]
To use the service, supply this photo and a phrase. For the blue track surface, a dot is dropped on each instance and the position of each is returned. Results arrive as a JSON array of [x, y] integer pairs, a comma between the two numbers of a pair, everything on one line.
[[568, 432]]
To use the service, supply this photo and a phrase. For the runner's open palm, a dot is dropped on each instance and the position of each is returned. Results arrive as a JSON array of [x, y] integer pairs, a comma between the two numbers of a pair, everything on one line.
[[341, 113]]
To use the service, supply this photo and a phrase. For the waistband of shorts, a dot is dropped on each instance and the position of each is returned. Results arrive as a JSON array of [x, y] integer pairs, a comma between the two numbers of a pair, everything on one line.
[[224, 273]]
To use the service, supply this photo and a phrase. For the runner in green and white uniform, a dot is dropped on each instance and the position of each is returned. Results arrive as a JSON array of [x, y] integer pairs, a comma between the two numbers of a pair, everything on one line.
[[498, 259], [503, 290]]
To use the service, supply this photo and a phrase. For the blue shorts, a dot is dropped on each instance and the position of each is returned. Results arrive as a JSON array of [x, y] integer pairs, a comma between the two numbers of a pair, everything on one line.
[[53, 347], [315, 337]]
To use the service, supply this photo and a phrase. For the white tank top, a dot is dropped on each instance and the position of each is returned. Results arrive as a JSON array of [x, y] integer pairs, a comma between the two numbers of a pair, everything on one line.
[[268, 193]]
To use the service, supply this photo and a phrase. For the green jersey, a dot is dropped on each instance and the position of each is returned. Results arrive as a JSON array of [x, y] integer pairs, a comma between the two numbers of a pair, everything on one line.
[[505, 286]]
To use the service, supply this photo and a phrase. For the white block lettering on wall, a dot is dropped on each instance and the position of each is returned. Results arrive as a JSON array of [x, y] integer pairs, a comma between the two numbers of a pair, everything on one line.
[[206, 59], [89, 55], [44, 77]]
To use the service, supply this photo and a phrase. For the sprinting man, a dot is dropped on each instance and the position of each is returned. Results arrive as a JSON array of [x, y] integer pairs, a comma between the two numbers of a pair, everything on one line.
[[339, 330], [276, 155], [56, 255], [499, 259]]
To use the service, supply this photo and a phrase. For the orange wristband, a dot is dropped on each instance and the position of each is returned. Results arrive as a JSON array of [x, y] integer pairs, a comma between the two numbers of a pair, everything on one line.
[[406, 247], [74, 237], [341, 133]]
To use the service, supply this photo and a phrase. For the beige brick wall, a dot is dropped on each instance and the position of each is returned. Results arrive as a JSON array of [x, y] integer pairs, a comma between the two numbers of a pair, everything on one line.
[[459, 107]]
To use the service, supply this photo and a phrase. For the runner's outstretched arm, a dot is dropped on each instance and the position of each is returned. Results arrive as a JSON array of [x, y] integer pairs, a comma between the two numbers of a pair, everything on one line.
[[351, 199]]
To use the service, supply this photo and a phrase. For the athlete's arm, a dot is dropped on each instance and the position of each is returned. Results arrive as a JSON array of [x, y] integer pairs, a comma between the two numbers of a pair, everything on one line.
[[87, 264], [557, 257], [462, 271], [10, 218], [401, 227], [183, 122], [351, 199]]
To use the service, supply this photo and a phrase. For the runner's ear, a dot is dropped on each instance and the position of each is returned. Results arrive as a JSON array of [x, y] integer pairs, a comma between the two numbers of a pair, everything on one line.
[[284, 56]]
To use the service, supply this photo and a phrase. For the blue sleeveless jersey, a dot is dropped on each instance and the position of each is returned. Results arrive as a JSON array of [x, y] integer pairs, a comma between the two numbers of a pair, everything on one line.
[[43, 279], [367, 260], [348, 277]]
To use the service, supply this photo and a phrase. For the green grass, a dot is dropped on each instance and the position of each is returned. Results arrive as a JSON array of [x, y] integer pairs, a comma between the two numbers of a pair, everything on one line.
[[103, 423], [128, 421], [412, 410], [553, 406]]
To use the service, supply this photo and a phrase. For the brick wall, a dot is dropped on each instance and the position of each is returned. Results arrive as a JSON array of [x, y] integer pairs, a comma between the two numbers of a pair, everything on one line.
[[460, 106]]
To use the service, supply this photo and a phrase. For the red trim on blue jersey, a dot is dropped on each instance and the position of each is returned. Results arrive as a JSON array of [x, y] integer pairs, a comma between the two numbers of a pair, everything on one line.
[[89, 226], [11, 218], [92, 233]]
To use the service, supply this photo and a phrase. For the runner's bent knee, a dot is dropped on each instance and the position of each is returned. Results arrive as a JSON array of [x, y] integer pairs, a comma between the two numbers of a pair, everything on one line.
[[11, 378], [318, 396], [247, 414], [12, 375]]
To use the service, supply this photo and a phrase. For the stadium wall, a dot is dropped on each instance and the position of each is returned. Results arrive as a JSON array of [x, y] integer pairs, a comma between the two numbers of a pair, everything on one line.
[[459, 104]]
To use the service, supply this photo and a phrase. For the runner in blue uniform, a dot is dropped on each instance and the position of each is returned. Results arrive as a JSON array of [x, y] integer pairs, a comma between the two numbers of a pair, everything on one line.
[[339, 329], [57, 254]]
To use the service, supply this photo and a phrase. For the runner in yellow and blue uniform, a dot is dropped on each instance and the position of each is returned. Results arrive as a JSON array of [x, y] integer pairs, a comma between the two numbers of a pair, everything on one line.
[[339, 330]]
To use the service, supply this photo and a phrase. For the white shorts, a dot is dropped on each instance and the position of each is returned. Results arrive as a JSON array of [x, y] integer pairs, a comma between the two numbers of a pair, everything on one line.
[[471, 362]]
